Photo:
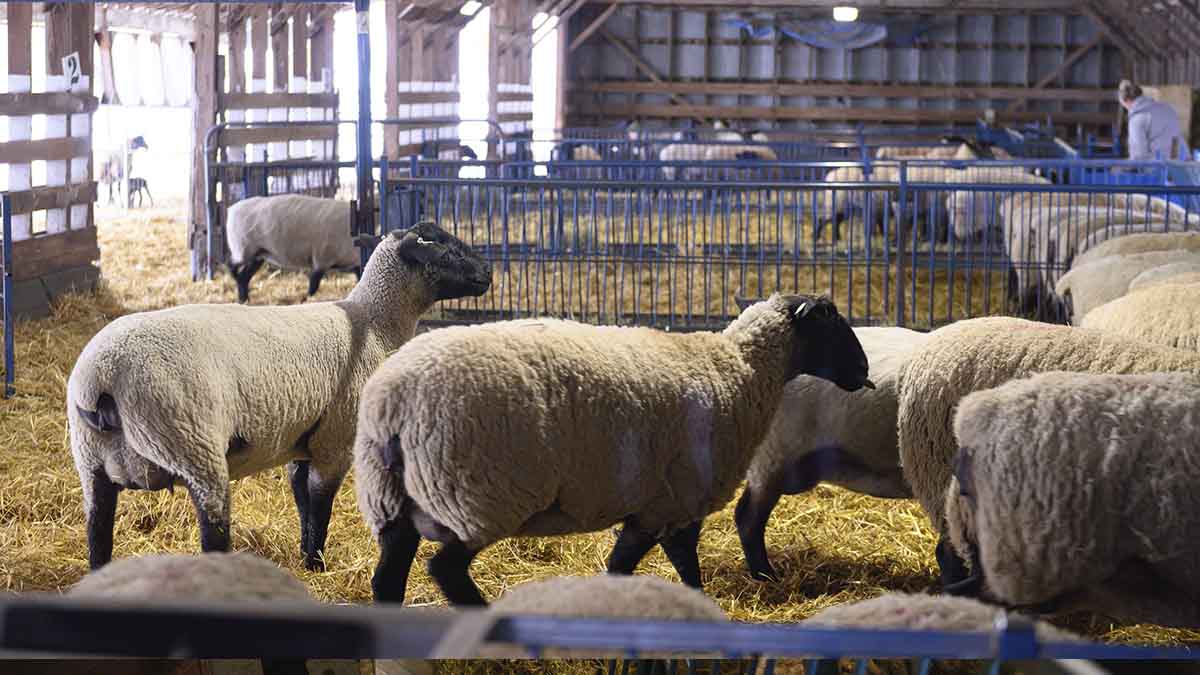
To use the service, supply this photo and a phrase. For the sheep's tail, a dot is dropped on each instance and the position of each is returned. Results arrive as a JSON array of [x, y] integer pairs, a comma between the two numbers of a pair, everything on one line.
[[393, 457], [105, 418]]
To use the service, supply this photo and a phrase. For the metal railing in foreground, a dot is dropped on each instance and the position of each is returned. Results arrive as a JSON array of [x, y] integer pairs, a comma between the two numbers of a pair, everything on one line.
[[10, 355], [108, 627]]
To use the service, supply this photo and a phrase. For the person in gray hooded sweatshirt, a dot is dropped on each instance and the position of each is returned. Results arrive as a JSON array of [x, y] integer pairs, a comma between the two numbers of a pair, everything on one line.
[[1154, 130]]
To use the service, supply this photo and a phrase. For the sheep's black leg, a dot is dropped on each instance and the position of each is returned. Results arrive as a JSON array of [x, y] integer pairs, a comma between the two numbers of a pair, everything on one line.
[[632, 545], [101, 519], [680, 547], [214, 529], [298, 476], [956, 579], [398, 543], [321, 492], [314, 281], [450, 568], [243, 276], [358, 273], [150, 196], [751, 515]]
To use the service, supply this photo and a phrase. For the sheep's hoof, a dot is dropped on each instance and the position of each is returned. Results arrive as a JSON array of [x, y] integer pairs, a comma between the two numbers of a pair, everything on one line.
[[314, 563], [766, 574]]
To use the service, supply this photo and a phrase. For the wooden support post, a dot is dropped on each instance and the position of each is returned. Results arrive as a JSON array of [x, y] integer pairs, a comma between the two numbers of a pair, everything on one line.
[[494, 72], [299, 82], [279, 53], [237, 80], [69, 30], [106, 74], [258, 73], [20, 80], [391, 77], [204, 115], [321, 67]]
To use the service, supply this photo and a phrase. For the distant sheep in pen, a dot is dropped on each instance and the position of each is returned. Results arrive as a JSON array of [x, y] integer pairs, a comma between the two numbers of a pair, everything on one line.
[[1078, 492], [470, 435], [202, 394], [295, 232]]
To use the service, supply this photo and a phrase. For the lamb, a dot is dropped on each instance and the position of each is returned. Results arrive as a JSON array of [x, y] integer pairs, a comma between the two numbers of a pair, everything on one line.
[[821, 433], [201, 394], [1050, 504], [1100, 245], [682, 152], [604, 596], [1166, 314], [1086, 287], [974, 212], [228, 577], [975, 354], [837, 204], [568, 426], [913, 611], [290, 232]]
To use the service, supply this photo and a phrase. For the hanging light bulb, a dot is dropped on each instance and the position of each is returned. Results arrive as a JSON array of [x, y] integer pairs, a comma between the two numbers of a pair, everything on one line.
[[845, 14]]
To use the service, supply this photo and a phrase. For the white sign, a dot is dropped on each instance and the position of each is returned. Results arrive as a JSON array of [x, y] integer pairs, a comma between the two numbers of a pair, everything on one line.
[[70, 64]]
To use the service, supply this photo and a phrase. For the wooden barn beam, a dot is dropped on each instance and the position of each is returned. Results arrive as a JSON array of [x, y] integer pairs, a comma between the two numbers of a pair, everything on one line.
[[1062, 69], [204, 115], [838, 89], [638, 62], [1099, 11], [594, 26], [391, 76], [153, 22], [915, 116], [1130, 52], [107, 75]]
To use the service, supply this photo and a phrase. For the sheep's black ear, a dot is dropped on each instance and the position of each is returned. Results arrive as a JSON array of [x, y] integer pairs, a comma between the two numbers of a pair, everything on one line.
[[744, 303], [367, 240], [964, 474]]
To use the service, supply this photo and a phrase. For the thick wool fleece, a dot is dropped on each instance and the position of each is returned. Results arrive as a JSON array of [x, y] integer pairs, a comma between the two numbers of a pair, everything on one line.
[[292, 232], [1100, 245], [912, 611], [571, 428], [816, 414], [1174, 273], [976, 354], [603, 596], [236, 577], [1166, 314], [215, 392], [1082, 490], [1105, 279], [972, 212]]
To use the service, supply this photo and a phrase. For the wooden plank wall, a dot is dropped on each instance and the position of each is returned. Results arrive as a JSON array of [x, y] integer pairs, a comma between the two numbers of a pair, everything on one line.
[[512, 52], [298, 38], [54, 234], [422, 82]]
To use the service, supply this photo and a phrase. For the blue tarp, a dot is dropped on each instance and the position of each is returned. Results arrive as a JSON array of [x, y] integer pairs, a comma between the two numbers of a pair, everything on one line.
[[829, 34]]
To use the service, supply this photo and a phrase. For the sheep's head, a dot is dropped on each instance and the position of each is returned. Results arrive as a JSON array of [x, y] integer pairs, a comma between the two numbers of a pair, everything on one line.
[[447, 264], [823, 344]]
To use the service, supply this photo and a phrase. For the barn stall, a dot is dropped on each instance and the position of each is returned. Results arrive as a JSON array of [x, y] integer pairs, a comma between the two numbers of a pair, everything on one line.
[[621, 245]]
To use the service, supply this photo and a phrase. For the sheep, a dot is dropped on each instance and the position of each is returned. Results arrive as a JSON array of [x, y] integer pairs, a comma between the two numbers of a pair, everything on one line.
[[229, 577], [1078, 491], [201, 394], [577, 434], [290, 232], [1172, 274], [603, 596], [914, 611], [1086, 287], [732, 152], [820, 433], [1100, 244], [973, 212], [1166, 314], [682, 152], [975, 354], [834, 205]]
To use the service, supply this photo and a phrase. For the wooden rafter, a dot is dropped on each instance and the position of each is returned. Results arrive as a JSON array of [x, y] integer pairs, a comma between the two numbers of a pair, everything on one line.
[[1062, 69], [1128, 48], [592, 27]]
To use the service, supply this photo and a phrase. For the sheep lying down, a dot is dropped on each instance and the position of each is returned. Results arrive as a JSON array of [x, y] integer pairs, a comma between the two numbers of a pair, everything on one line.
[[1076, 491], [470, 435]]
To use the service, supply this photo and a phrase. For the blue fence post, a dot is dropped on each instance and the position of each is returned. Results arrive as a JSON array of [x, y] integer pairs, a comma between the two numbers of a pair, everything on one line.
[[365, 211], [385, 195], [414, 166], [10, 356], [902, 198]]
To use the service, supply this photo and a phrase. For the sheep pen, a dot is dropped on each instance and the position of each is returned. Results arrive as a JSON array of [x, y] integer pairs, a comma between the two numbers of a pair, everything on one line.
[[830, 546]]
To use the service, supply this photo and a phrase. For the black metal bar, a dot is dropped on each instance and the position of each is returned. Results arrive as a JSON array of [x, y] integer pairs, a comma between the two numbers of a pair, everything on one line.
[[364, 218]]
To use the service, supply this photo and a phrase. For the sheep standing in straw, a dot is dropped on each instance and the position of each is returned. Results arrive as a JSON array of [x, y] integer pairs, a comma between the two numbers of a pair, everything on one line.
[[470, 435], [1078, 491], [202, 394]]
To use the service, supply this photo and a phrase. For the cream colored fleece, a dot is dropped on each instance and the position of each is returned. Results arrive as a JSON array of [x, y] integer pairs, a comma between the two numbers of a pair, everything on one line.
[[1167, 314], [293, 232], [235, 577], [914, 611], [1105, 279], [976, 354], [1173, 273], [1083, 489], [546, 427], [816, 414], [188, 380], [1098, 245], [971, 212]]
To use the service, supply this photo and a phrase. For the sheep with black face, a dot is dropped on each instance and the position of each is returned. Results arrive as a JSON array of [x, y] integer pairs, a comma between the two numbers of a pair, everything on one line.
[[470, 435], [202, 394]]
